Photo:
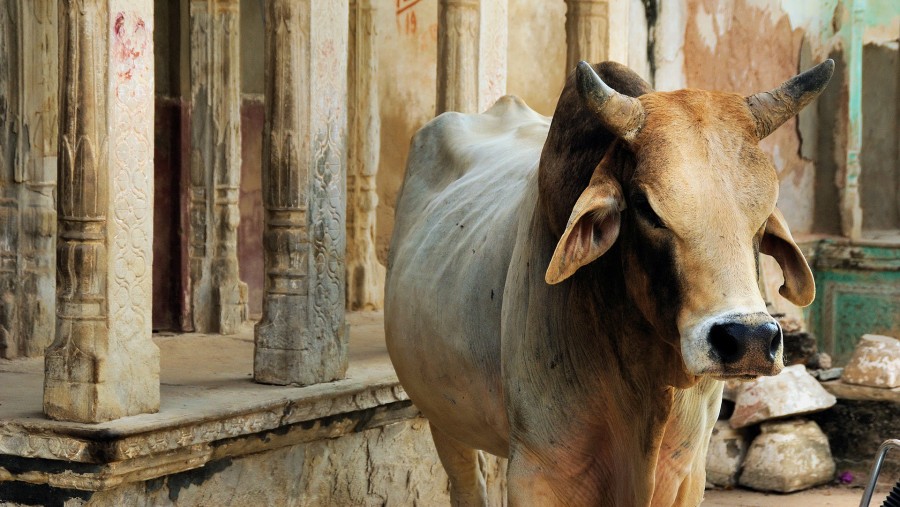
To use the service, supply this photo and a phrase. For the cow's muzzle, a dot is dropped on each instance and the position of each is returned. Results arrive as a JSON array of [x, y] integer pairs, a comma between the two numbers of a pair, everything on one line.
[[746, 345], [740, 343]]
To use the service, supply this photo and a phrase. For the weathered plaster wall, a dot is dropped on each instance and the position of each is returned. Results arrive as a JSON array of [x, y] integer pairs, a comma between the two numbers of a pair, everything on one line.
[[722, 51], [880, 180], [537, 52], [748, 46]]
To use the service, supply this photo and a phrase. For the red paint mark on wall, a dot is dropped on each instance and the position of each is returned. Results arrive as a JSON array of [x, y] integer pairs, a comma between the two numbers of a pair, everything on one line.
[[406, 16], [130, 42]]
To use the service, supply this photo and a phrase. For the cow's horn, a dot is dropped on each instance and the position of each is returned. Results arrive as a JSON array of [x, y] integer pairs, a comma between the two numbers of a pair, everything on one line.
[[621, 114], [775, 107]]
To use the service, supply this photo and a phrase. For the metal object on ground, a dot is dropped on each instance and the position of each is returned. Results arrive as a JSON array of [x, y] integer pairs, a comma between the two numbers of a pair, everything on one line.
[[893, 499]]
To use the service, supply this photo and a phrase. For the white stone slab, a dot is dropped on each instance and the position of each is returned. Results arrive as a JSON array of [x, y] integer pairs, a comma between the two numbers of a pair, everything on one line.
[[725, 457], [790, 393], [875, 362], [788, 456]]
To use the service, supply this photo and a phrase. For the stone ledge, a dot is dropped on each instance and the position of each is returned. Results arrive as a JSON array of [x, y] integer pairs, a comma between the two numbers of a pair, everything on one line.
[[846, 391], [210, 409], [105, 476]]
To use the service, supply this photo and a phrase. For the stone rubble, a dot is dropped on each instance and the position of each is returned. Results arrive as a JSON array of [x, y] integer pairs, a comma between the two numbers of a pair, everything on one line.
[[875, 362], [727, 449], [799, 347], [793, 392], [819, 361], [788, 456], [829, 374], [791, 453]]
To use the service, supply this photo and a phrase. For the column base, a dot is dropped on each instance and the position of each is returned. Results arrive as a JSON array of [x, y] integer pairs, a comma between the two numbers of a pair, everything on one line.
[[284, 356], [232, 308], [73, 393], [94, 403]]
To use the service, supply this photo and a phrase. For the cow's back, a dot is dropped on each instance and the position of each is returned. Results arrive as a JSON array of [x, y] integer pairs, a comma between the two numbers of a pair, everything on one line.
[[454, 231]]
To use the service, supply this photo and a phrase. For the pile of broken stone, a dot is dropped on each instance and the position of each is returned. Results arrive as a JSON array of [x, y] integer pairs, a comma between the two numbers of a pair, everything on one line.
[[762, 441]]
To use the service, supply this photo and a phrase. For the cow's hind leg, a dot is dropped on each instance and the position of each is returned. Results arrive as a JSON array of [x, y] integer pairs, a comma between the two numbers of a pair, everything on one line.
[[467, 487]]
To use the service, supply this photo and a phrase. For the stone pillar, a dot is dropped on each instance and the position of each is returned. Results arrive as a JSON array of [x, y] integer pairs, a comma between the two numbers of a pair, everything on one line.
[[218, 297], [851, 210], [302, 337], [587, 31], [365, 275], [103, 364], [28, 120], [472, 48], [493, 43]]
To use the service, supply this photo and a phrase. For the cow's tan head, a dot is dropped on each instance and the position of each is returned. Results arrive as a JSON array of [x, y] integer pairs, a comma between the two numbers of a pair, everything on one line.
[[694, 205]]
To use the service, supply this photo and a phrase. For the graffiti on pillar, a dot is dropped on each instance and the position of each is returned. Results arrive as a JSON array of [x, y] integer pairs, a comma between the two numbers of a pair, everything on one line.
[[132, 172], [407, 23]]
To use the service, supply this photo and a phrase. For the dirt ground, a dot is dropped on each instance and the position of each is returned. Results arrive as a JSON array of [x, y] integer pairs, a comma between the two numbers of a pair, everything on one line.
[[826, 496]]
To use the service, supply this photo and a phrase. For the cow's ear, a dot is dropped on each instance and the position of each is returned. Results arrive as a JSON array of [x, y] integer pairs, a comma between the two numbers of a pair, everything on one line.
[[799, 286], [592, 228]]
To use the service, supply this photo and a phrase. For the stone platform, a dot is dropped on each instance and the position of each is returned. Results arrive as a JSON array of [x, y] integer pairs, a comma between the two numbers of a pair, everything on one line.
[[221, 439]]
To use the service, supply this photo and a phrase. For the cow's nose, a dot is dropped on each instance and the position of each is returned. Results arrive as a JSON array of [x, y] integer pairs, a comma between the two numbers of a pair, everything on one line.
[[731, 340]]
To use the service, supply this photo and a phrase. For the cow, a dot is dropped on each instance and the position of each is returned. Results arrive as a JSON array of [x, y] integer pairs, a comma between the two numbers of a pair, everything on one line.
[[569, 294]]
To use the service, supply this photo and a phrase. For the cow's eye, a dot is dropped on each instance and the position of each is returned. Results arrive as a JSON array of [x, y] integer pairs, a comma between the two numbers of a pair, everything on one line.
[[642, 207]]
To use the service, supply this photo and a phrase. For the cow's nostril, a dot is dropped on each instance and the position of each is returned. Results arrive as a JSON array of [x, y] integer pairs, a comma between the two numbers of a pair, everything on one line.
[[726, 343], [774, 331]]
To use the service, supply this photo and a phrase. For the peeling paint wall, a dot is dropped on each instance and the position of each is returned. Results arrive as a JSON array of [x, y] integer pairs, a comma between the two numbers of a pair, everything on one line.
[[748, 46]]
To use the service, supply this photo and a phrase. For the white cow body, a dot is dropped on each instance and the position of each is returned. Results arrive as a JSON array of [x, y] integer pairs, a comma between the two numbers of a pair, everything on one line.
[[455, 228]]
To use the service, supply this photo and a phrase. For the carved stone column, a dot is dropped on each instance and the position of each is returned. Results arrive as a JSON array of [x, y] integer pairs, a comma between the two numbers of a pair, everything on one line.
[[493, 41], [302, 337], [851, 206], [457, 60], [472, 47], [365, 275], [587, 31], [28, 120], [103, 364], [218, 297]]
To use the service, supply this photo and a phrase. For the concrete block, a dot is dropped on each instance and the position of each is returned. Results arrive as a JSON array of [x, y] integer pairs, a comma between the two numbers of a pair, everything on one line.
[[725, 456], [788, 456], [875, 362], [792, 392]]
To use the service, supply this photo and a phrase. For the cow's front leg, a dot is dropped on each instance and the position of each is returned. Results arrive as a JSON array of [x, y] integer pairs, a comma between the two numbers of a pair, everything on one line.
[[577, 477], [528, 483]]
